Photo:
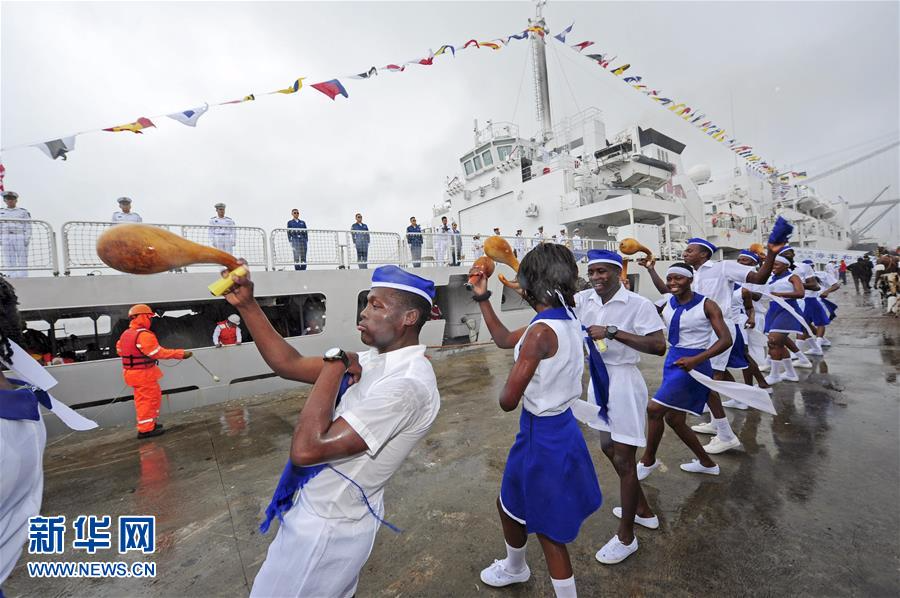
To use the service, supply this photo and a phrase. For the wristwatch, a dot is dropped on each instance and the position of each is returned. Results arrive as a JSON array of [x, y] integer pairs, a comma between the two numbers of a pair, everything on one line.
[[611, 332], [337, 354]]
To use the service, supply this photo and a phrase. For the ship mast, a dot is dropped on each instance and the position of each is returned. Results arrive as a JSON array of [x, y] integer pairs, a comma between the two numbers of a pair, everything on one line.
[[539, 66]]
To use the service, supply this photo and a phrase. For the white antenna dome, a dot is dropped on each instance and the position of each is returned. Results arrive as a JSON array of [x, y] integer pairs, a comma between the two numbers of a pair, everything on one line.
[[699, 174]]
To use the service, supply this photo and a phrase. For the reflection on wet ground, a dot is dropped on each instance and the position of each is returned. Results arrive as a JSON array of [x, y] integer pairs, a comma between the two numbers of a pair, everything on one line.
[[809, 506]]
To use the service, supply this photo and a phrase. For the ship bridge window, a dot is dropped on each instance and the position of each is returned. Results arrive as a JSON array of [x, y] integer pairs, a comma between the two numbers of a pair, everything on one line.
[[470, 170], [477, 161], [503, 151], [487, 159]]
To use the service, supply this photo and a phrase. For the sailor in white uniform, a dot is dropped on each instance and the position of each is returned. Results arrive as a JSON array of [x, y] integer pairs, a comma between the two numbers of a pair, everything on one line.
[[223, 235], [715, 280], [125, 214], [629, 325], [15, 237], [441, 241]]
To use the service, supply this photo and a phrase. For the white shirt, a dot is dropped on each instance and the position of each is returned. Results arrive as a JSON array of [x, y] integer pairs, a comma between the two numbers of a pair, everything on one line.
[[538, 239], [576, 243], [129, 217], [519, 246], [223, 232], [15, 228], [627, 311], [392, 407], [716, 280], [695, 331], [477, 248], [556, 382], [805, 271], [826, 280]]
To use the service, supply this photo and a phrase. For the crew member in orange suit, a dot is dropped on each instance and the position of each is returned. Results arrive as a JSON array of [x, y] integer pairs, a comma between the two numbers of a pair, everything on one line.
[[228, 332], [140, 352]]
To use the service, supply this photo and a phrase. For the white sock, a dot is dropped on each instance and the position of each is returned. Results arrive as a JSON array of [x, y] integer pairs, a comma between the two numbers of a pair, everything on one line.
[[814, 343], [776, 368], [801, 344], [792, 355], [788, 367], [564, 588], [515, 559], [723, 428]]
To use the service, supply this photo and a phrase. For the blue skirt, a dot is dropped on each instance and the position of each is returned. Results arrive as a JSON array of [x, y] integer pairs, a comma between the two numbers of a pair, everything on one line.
[[549, 483], [814, 312], [678, 390], [779, 320], [830, 307], [737, 358]]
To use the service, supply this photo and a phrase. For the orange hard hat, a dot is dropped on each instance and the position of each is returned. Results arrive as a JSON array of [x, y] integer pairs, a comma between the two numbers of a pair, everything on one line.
[[140, 308]]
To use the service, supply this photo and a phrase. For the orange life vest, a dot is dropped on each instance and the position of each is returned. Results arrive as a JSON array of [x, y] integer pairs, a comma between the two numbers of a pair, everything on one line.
[[132, 358], [227, 334]]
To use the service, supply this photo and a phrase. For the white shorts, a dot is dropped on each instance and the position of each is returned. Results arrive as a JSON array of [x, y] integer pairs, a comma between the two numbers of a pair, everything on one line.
[[627, 406], [720, 361], [316, 557], [21, 489]]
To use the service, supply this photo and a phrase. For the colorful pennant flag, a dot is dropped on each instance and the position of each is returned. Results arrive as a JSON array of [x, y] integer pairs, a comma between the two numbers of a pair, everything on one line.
[[369, 73], [331, 88], [191, 116], [394, 68], [58, 148], [469, 43], [621, 69], [490, 45], [2, 174], [247, 98], [580, 47], [444, 48], [561, 36], [538, 30], [297, 85], [522, 35], [135, 127]]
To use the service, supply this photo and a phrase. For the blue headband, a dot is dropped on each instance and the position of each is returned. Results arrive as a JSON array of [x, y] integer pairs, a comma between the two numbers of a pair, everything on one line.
[[703, 243], [808, 262], [750, 254], [785, 248], [393, 277], [603, 256]]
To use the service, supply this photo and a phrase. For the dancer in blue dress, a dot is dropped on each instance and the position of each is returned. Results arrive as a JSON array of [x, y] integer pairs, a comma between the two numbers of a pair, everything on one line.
[[780, 322], [697, 332], [549, 484]]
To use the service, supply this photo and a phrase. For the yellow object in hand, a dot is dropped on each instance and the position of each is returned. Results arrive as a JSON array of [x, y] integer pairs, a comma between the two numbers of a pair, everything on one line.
[[223, 285], [600, 344]]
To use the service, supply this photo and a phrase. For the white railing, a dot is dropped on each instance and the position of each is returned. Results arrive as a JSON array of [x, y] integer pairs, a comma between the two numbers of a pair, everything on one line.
[[27, 245], [79, 242], [302, 248], [448, 249]]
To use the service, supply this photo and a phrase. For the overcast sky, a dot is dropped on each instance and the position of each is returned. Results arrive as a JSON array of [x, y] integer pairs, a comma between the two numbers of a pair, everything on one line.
[[808, 79]]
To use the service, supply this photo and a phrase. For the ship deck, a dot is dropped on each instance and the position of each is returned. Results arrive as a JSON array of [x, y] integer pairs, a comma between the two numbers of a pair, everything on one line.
[[809, 506]]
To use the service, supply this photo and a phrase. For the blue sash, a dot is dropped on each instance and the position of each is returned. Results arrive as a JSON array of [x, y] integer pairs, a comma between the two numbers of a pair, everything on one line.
[[295, 477], [680, 308], [22, 403], [599, 375]]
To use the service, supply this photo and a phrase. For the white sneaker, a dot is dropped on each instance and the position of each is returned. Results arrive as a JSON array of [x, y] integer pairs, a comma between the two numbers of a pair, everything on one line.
[[772, 379], [705, 428], [765, 367], [813, 348], [695, 467], [717, 445], [497, 576], [732, 404], [645, 470], [824, 342], [788, 377], [768, 389], [801, 361], [616, 552], [648, 522]]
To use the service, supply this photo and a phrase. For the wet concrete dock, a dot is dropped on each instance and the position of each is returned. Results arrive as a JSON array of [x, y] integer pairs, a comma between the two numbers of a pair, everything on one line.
[[809, 506]]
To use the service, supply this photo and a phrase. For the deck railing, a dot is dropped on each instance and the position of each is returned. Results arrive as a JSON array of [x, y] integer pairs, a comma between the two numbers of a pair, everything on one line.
[[26, 246]]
